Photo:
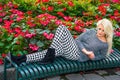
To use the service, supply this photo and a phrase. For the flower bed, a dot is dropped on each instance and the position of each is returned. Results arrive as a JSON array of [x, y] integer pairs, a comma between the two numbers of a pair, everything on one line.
[[27, 26]]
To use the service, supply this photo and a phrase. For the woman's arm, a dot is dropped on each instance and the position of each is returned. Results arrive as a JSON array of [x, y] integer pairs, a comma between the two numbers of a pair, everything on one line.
[[90, 54], [82, 38]]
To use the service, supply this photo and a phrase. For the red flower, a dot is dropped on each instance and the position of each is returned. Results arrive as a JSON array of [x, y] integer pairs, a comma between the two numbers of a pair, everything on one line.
[[1, 61], [7, 24], [43, 8], [88, 23], [17, 42], [15, 5], [64, 9], [77, 28], [70, 3], [44, 1], [60, 14], [1, 8], [37, 1], [18, 54], [50, 8], [3, 55], [80, 23], [74, 36], [102, 8], [101, 1], [116, 13], [29, 12], [59, 2], [31, 24]]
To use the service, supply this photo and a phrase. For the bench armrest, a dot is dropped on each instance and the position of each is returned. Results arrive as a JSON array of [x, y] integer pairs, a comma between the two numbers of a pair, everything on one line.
[[11, 62]]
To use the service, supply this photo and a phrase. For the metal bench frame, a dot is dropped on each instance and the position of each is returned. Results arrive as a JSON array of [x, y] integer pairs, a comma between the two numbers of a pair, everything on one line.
[[33, 71]]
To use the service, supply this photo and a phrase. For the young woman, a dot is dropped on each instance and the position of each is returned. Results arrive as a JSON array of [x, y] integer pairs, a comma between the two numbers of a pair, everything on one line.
[[94, 44]]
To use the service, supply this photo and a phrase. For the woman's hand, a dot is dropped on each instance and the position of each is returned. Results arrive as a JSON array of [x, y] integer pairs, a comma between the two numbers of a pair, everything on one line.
[[90, 54]]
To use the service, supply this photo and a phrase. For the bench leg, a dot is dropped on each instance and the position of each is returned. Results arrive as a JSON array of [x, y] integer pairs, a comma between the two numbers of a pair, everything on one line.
[[5, 69], [16, 75]]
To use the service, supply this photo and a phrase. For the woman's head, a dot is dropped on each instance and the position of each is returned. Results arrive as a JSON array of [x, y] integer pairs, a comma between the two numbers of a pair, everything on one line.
[[105, 28]]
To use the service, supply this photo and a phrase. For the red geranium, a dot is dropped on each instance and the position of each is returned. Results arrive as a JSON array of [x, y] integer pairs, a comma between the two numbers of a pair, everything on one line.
[[1, 61]]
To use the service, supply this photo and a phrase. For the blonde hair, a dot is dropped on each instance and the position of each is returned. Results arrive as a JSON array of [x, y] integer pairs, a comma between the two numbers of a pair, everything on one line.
[[108, 29]]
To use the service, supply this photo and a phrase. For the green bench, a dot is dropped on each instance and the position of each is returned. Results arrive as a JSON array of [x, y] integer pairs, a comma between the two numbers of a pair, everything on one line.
[[33, 71]]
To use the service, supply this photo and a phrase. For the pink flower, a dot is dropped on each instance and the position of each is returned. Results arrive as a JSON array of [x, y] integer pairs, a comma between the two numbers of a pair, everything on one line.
[[67, 18], [30, 35], [111, 51], [115, 1], [2, 14], [0, 19], [19, 18], [58, 22], [45, 34], [33, 47], [117, 33], [1, 8], [10, 4], [1, 61], [48, 36]]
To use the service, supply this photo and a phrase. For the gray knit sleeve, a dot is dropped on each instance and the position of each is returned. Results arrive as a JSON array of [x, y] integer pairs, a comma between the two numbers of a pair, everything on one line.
[[101, 53], [82, 38]]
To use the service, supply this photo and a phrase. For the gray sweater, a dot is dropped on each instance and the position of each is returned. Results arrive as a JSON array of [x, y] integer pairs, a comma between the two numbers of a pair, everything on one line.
[[90, 42]]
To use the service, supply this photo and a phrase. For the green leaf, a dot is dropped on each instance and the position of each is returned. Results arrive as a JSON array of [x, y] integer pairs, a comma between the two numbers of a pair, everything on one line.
[[15, 47], [41, 32], [33, 41], [40, 44], [10, 38], [117, 26], [1, 44]]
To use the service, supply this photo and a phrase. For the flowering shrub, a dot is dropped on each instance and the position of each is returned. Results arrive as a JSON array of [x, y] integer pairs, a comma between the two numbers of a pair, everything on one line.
[[27, 26]]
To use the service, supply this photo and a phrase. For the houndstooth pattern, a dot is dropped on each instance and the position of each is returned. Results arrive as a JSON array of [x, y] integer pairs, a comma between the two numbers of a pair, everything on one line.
[[63, 43]]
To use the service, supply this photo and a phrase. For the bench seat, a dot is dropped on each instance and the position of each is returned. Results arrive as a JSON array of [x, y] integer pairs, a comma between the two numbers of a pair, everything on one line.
[[61, 65]]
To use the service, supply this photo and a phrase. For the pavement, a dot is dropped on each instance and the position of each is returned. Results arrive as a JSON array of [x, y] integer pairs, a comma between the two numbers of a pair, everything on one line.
[[106, 74]]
